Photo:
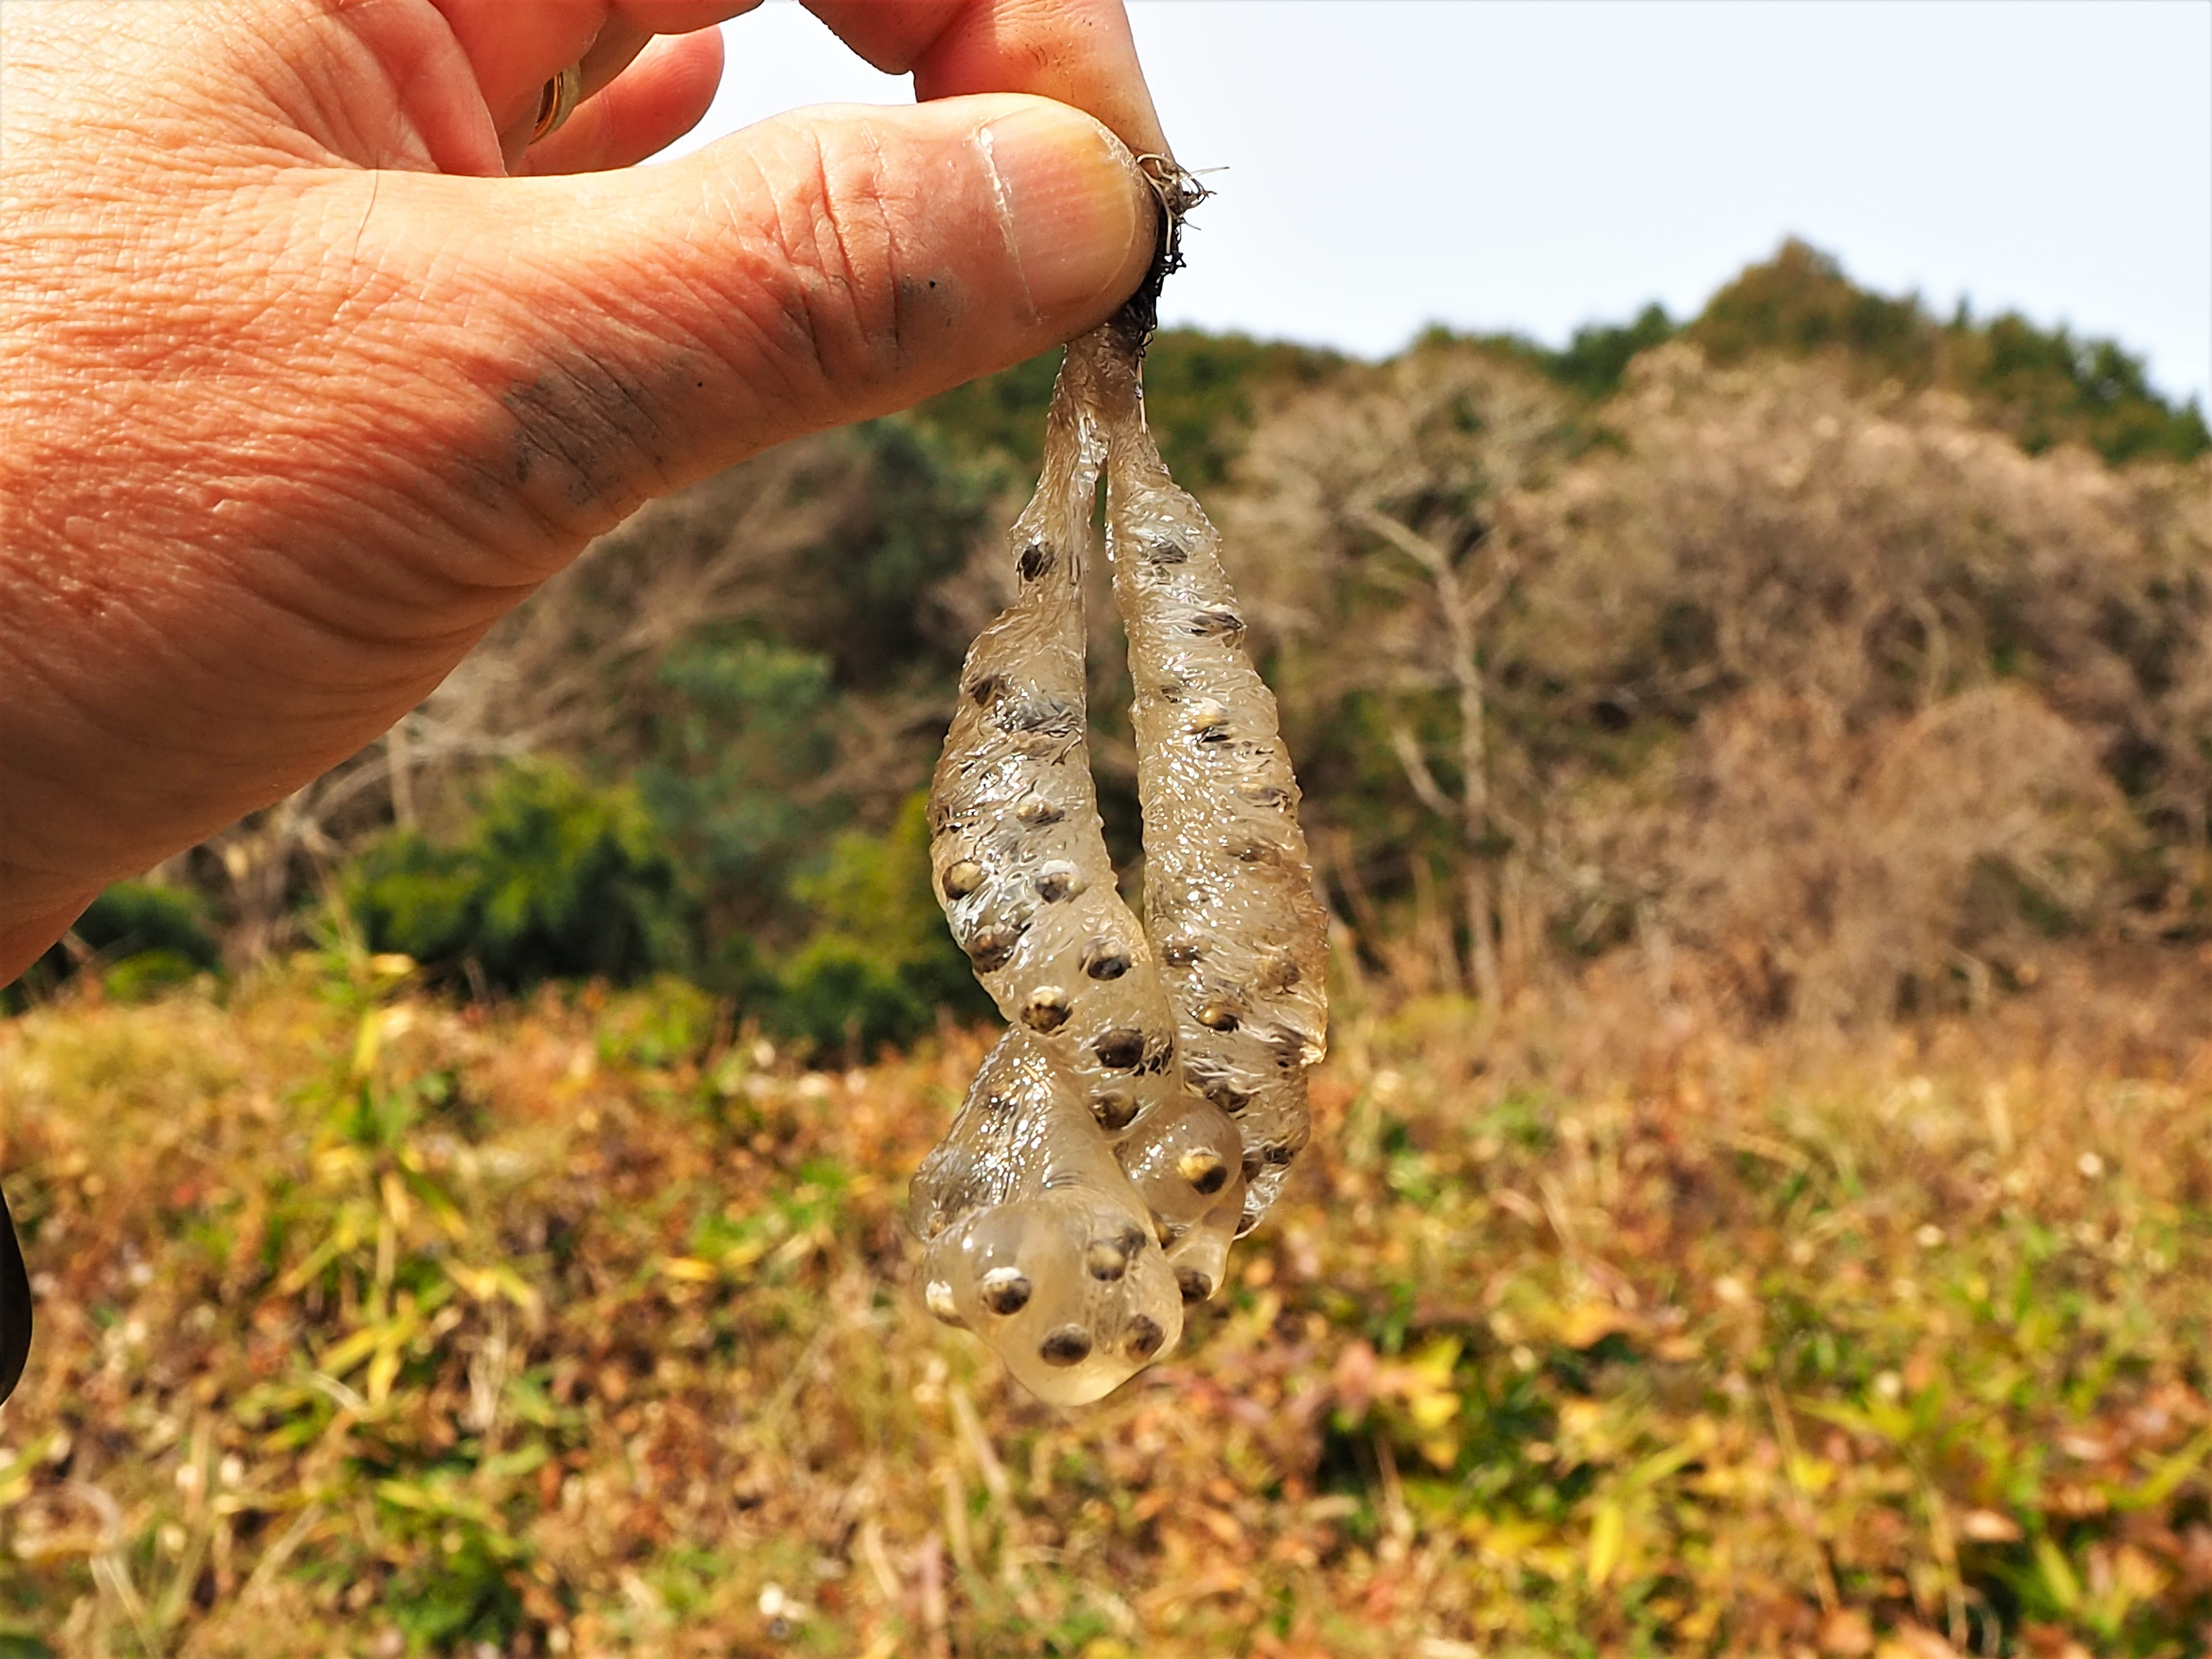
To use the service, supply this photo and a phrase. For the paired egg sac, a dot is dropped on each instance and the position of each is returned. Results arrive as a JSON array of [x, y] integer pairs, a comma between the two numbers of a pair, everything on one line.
[[1146, 1102]]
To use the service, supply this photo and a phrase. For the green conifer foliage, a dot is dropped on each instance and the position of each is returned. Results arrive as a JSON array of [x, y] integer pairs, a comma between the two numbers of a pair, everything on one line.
[[137, 935], [879, 963], [553, 878], [741, 730]]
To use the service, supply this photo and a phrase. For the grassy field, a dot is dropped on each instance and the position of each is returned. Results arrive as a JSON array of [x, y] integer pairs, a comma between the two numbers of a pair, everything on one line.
[[372, 1324]]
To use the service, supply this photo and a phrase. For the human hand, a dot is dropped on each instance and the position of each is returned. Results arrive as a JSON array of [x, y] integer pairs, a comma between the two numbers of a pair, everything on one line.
[[302, 387]]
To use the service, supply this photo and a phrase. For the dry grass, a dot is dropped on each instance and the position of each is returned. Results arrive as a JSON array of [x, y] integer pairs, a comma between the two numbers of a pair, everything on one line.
[[370, 1324]]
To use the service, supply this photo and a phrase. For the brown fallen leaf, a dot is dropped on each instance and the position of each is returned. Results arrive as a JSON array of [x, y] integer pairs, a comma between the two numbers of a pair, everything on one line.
[[1914, 1642], [1988, 1527], [1590, 1323], [1846, 1632]]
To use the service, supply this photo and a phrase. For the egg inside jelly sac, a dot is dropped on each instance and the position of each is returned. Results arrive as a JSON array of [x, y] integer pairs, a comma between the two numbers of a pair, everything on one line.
[[1068, 1287], [1149, 1093]]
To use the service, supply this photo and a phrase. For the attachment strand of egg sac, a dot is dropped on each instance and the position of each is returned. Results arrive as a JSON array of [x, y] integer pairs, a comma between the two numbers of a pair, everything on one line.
[[1229, 899], [1019, 860]]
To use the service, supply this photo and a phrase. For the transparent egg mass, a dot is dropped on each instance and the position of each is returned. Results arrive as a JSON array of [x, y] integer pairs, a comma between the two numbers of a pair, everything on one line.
[[1150, 1094]]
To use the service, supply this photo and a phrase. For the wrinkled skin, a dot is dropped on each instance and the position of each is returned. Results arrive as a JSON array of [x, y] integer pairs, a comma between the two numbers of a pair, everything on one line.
[[311, 367]]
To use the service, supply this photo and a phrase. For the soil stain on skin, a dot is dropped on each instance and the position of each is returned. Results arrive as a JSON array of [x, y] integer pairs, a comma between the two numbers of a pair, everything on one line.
[[934, 304], [593, 434], [583, 428]]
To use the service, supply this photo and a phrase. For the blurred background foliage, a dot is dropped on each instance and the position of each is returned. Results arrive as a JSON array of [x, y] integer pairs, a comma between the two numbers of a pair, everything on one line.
[[136, 936], [554, 878], [1760, 768], [1817, 657]]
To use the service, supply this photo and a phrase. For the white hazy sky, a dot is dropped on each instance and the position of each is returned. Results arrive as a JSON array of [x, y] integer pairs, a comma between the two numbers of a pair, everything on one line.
[[1536, 164]]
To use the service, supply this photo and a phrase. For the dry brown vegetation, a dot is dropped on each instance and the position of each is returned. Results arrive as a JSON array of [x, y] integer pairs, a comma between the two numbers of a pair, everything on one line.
[[373, 1324], [1835, 699]]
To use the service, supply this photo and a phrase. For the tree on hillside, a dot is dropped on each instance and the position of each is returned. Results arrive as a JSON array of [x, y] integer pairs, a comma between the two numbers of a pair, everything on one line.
[[2043, 386], [1915, 700], [1840, 695], [1373, 507]]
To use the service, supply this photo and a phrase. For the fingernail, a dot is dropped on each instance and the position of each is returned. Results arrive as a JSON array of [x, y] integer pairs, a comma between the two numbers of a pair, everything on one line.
[[1072, 203]]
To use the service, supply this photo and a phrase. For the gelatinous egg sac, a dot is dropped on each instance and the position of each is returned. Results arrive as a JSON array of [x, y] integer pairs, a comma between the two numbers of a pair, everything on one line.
[[1146, 1104]]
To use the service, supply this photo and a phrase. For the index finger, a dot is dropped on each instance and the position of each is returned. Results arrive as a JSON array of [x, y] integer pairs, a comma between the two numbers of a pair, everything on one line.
[[1074, 51]]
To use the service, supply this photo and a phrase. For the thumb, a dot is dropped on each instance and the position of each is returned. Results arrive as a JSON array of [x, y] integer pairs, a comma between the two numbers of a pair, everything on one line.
[[816, 269]]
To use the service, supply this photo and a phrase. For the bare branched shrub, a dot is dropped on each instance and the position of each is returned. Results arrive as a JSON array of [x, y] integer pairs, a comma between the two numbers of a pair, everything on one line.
[[1840, 692], [554, 674], [1365, 517], [570, 670], [1814, 870]]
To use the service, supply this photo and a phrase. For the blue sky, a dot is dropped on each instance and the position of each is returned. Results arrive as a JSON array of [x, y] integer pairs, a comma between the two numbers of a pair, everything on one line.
[[1536, 164]]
